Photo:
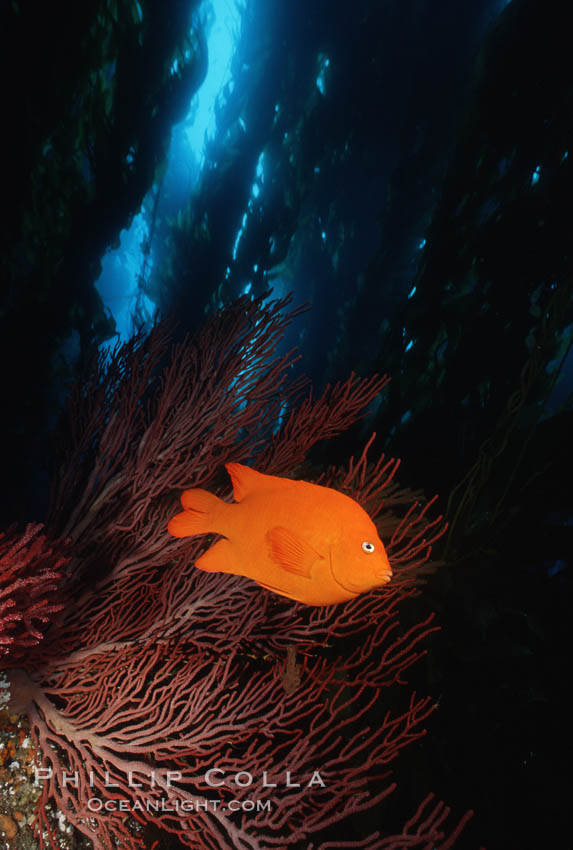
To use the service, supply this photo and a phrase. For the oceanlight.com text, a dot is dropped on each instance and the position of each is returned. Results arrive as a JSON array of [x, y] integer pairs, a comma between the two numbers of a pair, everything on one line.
[[96, 804]]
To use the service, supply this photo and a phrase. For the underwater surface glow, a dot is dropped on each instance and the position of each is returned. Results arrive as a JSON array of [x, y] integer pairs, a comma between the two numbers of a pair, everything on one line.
[[255, 192], [222, 37], [324, 63], [260, 171], [120, 285], [535, 175]]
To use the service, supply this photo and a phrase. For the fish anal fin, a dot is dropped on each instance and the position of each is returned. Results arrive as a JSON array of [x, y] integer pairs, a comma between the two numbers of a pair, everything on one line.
[[219, 558], [278, 590], [291, 552]]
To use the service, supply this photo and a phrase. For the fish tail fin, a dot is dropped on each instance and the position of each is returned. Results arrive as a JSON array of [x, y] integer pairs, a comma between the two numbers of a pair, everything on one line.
[[202, 514]]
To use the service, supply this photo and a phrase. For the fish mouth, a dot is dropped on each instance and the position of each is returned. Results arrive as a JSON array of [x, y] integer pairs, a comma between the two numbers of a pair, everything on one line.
[[383, 578]]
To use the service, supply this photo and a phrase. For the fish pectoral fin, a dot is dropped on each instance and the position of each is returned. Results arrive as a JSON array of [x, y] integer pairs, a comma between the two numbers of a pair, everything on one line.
[[291, 552]]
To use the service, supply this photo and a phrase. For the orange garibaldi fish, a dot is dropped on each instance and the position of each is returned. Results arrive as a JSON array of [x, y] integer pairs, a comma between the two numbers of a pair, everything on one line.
[[297, 539]]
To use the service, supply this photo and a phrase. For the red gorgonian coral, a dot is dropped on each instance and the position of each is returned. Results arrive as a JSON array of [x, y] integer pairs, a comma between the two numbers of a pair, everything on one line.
[[196, 702], [31, 578]]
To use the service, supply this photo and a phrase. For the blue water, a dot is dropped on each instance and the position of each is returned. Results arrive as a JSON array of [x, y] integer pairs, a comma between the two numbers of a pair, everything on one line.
[[126, 269]]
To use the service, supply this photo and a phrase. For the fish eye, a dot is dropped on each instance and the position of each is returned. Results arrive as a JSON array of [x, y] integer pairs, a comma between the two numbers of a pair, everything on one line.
[[368, 547]]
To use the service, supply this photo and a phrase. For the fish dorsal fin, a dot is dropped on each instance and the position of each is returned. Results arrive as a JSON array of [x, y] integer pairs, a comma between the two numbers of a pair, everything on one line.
[[291, 552], [246, 480]]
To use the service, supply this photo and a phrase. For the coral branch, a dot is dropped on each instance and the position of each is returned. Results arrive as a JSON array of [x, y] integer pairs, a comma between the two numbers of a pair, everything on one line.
[[160, 676], [31, 577]]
